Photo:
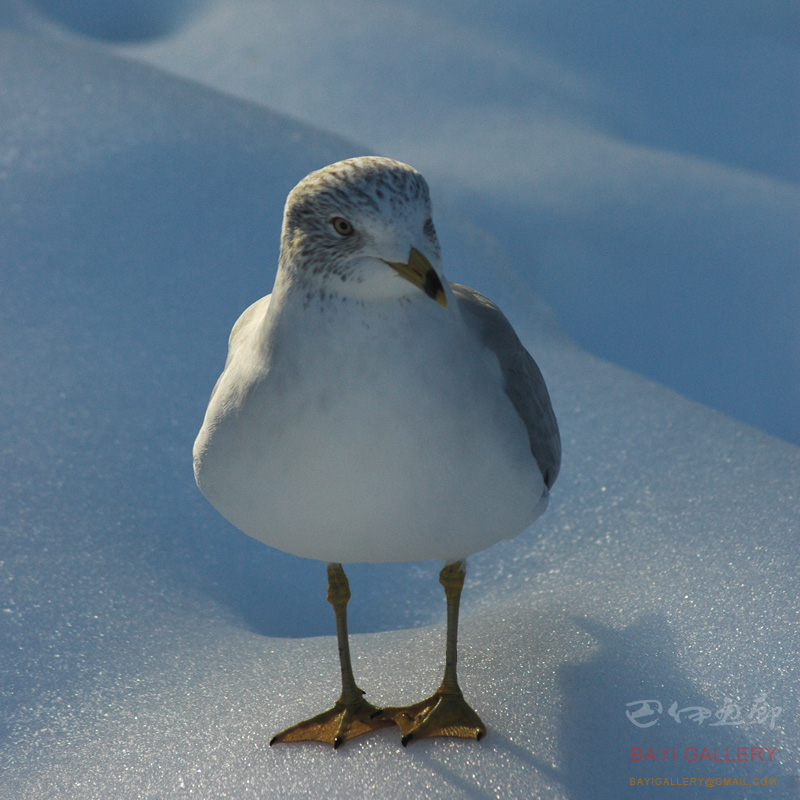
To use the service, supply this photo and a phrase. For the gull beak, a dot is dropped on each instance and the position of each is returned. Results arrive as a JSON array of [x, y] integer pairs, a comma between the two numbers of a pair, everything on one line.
[[421, 273]]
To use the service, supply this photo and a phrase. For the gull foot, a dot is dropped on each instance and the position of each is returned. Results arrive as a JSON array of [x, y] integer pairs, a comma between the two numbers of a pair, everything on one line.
[[344, 721], [444, 713]]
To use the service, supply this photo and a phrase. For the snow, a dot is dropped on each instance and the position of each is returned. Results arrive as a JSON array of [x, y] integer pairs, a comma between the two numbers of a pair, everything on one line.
[[149, 649]]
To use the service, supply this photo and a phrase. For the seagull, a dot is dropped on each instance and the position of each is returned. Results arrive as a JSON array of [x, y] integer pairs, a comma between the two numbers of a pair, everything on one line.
[[371, 411]]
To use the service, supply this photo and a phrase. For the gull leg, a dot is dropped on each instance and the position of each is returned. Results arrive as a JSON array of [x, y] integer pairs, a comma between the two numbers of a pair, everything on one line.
[[445, 712], [350, 715]]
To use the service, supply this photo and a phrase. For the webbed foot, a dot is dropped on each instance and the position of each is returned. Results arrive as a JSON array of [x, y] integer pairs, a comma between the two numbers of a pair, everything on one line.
[[444, 713], [337, 725]]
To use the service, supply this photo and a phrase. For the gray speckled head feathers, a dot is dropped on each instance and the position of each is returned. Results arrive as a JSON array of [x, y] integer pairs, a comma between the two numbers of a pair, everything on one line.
[[371, 192], [363, 183]]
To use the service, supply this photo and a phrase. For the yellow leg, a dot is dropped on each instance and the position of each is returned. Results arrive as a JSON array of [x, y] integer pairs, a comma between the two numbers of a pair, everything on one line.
[[445, 712], [350, 715]]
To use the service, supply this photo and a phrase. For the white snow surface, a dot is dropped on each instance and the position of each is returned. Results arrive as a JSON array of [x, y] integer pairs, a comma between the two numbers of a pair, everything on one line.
[[150, 650]]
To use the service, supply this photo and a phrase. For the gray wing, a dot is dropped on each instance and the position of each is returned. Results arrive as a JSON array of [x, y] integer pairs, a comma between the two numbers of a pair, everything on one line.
[[525, 385]]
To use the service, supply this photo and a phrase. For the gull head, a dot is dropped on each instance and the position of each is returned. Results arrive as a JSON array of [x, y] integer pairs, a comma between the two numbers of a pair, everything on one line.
[[361, 229]]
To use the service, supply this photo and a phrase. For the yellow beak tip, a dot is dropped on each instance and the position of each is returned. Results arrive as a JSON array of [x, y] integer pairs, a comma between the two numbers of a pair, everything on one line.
[[421, 273]]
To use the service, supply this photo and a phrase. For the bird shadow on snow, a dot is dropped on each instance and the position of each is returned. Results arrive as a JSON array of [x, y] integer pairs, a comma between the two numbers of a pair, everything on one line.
[[596, 737], [638, 664], [278, 595]]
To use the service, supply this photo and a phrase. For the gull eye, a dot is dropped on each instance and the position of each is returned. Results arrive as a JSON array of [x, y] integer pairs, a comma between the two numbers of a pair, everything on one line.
[[428, 228], [342, 226]]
